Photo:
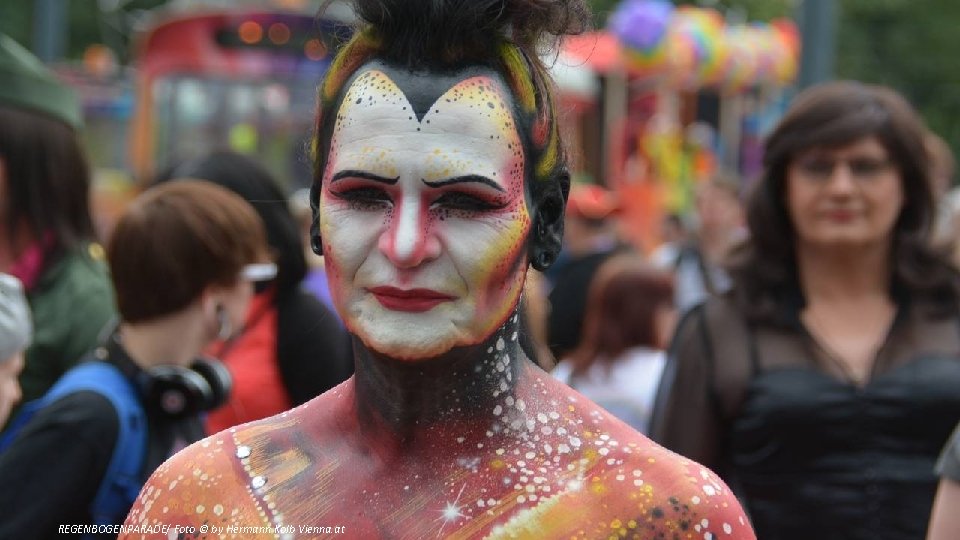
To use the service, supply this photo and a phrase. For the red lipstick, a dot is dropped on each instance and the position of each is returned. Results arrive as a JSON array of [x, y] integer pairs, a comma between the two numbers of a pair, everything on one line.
[[841, 216], [410, 300]]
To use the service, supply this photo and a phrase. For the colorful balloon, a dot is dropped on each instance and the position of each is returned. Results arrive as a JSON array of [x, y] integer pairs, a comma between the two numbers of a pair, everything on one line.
[[694, 47], [642, 26]]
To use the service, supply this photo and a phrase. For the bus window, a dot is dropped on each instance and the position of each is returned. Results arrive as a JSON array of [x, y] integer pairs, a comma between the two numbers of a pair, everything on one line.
[[241, 80]]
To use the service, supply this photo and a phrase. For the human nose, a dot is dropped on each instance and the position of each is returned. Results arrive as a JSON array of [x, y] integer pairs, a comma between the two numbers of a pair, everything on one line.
[[841, 179], [408, 241]]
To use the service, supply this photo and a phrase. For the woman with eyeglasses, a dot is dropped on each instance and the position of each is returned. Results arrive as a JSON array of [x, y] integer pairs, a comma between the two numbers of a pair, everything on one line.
[[824, 385]]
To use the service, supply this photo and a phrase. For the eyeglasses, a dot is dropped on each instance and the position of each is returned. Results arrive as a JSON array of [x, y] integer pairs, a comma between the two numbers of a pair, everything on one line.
[[259, 272], [821, 169]]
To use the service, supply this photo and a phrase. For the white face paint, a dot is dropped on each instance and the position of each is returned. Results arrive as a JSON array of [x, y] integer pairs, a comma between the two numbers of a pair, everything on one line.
[[424, 222]]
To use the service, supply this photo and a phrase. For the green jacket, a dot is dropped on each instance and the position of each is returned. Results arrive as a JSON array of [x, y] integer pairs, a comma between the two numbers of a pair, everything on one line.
[[72, 303]]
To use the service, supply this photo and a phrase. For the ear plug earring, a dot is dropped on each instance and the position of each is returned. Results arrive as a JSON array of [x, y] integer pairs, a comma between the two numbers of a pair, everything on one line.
[[544, 260]]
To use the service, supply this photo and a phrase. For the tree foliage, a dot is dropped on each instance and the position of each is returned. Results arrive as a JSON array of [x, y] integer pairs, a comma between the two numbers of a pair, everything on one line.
[[909, 45], [86, 23]]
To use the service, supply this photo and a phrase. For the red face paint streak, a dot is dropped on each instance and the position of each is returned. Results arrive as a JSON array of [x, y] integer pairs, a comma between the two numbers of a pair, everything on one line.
[[409, 300]]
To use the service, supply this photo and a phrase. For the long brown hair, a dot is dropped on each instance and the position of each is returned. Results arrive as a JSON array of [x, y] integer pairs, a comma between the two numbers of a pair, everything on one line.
[[828, 115], [625, 298]]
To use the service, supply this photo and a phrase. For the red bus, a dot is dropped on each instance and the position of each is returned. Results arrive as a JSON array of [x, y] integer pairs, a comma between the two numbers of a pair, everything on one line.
[[242, 78]]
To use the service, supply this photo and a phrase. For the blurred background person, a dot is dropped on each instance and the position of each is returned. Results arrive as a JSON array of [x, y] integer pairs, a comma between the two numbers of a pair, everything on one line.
[[46, 232], [590, 236], [825, 383], [673, 236], [16, 330], [699, 262], [291, 348], [181, 258], [628, 322], [945, 519]]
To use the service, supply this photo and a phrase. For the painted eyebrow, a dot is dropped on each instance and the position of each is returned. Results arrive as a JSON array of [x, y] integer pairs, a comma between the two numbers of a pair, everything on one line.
[[474, 178], [351, 173]]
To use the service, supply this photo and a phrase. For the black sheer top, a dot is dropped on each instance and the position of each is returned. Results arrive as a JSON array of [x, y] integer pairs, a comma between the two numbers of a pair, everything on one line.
[[812, 455]]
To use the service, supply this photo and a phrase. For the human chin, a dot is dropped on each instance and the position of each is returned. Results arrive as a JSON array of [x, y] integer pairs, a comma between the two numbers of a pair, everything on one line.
[[409, 335], [419, 335]]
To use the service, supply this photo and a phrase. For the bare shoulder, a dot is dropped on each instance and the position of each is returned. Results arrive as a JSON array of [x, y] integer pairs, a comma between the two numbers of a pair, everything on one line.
[[199, 487], [682, 495], [214, 485], [638, 489], [623, 484]]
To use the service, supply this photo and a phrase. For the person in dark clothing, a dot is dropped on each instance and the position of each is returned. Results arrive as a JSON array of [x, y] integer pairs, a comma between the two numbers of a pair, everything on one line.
[[824, 384], [182, 258], [291, 348], [589, 240]]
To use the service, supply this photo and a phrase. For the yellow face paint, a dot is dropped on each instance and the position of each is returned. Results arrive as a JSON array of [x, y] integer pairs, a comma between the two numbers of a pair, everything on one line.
[[424, 214]]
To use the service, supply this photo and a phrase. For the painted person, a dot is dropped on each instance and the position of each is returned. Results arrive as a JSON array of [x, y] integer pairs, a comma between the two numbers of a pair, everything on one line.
[[825, 382], [439, 179]]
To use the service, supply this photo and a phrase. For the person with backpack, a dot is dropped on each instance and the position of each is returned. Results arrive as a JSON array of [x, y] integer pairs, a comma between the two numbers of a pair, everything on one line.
[[182, 258], [291, 348]]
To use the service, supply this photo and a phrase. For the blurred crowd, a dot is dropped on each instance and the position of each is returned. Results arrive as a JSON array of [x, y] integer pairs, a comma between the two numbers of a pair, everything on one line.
[[815, 363], [801, 338]]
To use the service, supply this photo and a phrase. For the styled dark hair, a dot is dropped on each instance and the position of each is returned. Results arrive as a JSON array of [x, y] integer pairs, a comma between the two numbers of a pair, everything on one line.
[[48, 179], [443, 35], [829, 115], [622, 305], [176, 239], [249, 179]]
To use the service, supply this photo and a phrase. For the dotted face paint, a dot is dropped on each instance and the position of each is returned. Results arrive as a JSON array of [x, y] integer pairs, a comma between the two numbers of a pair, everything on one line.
[[423, 214], [425, 223]]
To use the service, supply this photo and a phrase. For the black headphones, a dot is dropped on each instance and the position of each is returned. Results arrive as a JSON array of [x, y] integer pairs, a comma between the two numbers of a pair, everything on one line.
[[170, 391]]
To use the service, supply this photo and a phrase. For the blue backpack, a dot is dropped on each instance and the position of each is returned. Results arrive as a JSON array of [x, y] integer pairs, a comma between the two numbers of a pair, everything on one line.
[[121, 483]]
